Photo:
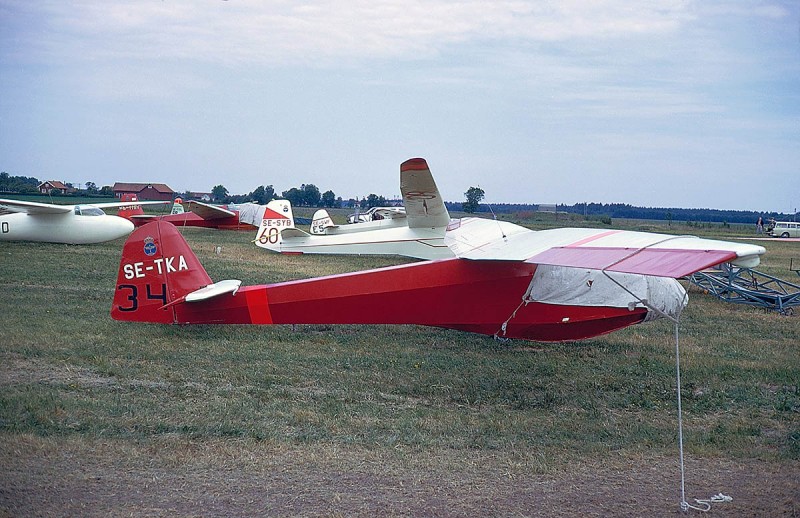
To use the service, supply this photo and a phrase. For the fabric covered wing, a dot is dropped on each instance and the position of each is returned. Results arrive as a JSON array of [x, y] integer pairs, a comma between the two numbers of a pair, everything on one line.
[[32, 207], [612, 250], [645, 261], [424, 205], [209, 212]]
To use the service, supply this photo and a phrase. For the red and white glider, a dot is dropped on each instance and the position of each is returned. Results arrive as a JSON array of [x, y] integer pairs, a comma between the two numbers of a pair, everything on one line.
[[244, 216], [507, 281]]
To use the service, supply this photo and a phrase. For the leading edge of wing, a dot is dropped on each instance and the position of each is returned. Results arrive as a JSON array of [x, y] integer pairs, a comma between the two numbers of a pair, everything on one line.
[[32, 207]]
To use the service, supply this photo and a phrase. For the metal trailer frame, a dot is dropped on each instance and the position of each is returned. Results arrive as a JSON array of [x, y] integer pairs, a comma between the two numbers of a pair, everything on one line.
[[750, 287]]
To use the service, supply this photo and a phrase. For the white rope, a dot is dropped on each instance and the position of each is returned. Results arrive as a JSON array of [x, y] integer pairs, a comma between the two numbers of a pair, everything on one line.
[[704, 505], [504, 325]]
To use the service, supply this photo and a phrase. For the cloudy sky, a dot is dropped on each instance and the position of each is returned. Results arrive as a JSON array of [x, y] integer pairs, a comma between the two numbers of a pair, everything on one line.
[[654, 103]]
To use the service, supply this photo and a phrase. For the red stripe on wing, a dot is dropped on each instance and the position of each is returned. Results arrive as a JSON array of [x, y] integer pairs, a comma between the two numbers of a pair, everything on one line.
[[660, 262]]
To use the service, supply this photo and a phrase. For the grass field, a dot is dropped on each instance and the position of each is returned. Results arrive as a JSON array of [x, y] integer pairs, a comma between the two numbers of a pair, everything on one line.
[[99, 417]]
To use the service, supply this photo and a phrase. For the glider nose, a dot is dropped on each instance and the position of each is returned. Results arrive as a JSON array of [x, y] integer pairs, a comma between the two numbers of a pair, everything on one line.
[[125, 226], [119, 227]]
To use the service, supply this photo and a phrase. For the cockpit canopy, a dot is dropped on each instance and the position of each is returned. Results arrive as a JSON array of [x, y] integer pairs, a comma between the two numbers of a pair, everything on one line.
[[88, 210]]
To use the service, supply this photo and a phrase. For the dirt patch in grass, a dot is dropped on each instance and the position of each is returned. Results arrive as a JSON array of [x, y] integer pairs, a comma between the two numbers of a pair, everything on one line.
[[173, 476]]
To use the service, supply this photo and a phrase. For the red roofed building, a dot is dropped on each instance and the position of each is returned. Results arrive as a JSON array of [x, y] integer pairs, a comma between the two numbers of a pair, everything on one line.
[[145, 191], [49, 185]]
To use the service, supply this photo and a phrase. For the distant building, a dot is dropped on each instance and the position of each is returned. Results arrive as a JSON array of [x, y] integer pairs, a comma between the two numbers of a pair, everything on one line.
[[145, 191], [547, 207], [49, 185], [200, 196]]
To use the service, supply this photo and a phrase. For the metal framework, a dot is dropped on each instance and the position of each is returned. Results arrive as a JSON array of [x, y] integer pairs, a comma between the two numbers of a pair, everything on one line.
[[750, 287]]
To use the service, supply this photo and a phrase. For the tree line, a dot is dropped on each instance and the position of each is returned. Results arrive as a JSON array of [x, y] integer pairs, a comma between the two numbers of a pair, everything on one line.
[[627, 211], [309, 195]]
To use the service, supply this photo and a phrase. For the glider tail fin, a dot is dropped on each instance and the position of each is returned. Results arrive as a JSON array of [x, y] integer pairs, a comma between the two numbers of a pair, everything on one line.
[[277, 216], [177, 207], [157, 271], [127, 211], [321, 221]]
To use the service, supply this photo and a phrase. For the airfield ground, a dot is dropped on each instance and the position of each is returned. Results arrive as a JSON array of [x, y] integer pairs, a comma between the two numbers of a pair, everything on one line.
[[101, 418]]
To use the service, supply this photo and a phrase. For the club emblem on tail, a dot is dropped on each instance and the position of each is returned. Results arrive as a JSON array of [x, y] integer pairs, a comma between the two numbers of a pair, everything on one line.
[[150, 248]]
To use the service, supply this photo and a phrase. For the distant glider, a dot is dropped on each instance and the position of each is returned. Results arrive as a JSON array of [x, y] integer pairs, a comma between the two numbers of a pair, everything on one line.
[[416, 230], [506, 281], [71, 224], [244, 216]]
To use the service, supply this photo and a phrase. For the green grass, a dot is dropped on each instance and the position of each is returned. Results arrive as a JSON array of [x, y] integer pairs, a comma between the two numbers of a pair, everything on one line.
[[70, 371]]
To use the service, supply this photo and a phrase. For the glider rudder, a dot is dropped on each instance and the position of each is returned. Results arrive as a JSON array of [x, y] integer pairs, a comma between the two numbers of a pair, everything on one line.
[[157, 270], [277, 217]]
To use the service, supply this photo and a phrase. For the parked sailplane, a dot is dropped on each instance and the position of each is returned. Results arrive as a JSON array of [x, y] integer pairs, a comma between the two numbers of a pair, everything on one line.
[[72, 224], [550, 285], [416, 230], [244, 216]]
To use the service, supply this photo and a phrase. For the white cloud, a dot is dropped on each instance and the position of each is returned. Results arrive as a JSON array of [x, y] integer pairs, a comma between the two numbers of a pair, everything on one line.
[[251, 31]]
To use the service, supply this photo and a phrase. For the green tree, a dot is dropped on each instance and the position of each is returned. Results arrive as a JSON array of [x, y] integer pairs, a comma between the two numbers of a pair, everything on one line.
[[311, 195], [328, 199], [474, 196], [262, 194], [373, 200], [294, 195], [219, 192]]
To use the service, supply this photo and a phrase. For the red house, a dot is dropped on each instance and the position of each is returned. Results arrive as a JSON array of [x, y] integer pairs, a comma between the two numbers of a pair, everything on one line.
[[145, 191], [49, 185]]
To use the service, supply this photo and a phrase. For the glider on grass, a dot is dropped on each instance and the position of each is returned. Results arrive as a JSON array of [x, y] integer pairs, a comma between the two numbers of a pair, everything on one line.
[[371, 214], [72, 224], [417, 230], [243, 216], [503, 280]]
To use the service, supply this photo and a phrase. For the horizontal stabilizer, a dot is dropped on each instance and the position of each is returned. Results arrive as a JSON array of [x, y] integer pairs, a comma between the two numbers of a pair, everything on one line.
[[289, 233], [213, 290]]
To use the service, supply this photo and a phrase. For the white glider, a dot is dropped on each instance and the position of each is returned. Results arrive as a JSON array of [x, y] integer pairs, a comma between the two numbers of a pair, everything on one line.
[[81, 224], [416, 231]]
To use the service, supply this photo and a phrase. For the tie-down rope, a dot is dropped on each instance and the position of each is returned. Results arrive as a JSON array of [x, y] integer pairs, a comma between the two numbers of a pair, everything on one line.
[[703, 505]]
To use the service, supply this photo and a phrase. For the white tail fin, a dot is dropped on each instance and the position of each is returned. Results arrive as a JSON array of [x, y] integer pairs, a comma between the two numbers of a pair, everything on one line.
[[321, 221], [277, 216], [177, 207]]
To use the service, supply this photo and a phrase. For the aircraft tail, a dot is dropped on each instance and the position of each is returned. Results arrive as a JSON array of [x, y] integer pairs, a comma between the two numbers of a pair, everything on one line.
[[321, 221], [127, 211], [277, 216], [157, 271], [177, 207]]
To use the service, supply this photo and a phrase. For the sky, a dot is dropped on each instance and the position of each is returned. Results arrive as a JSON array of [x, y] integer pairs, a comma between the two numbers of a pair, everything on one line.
[[690, 104]]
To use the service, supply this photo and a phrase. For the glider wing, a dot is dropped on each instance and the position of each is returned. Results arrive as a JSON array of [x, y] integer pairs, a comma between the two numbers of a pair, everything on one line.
[[32, 207], [623, 251], [209, 212]]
